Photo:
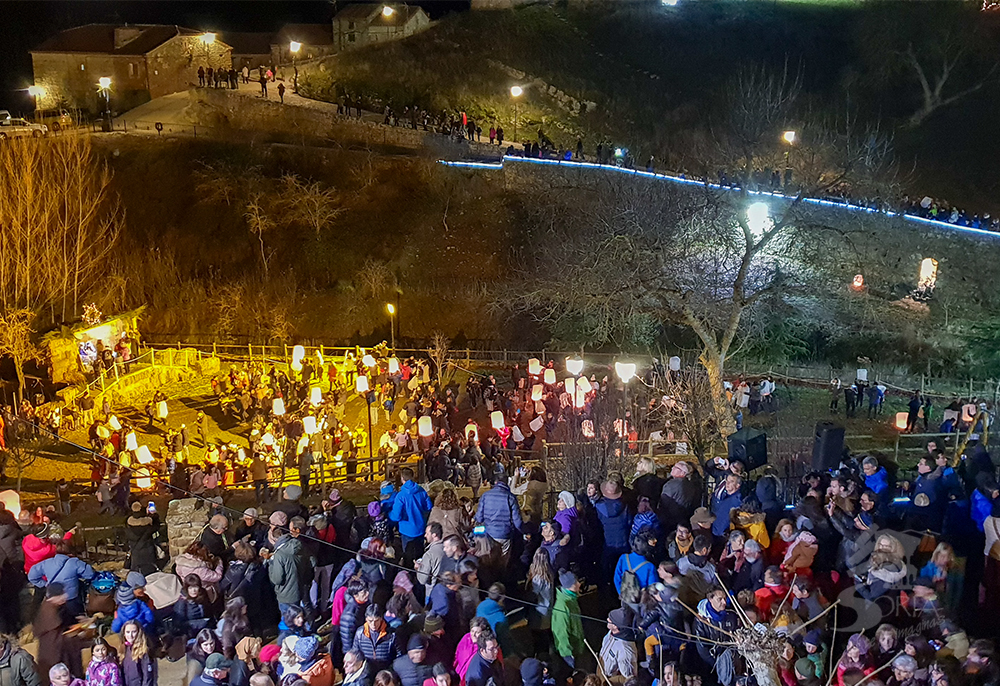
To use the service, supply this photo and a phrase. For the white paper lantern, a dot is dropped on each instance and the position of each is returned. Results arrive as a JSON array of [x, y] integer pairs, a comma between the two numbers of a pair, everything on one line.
[[161, 409], [580, 398], [144, 483], [309, 425], [534, 367], [496, 419], [587, 428], [550, 376], [278, 407], [267, 439], [368, 360], [241, 455], [142, 455], [103, 432], [625, 371], [539, 407], [536, 424], [675, 363], [425, 426], [298, 352], [361, 384], [536, 392], [319, 358], [315, 395], [574, 366], [472, 432], [583, 384], [393, 365], [862, 375], [901, 418], [130, 441], [516, 434], [114, 423], [570, 385], [296, 366]]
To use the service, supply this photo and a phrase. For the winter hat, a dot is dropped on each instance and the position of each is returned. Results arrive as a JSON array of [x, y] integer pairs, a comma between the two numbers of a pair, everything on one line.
[[432, 623], [334, 496], [644, 505], [701, 516], [293, 492], [386, 489], [124, 595], [278, 518], [374, 509], [531, 672], [567, 578], [250, 512], [403, 580], [318, 522], [269, 653], [814, 638], [135, 580], [864, 519], [306, 647], [136, 507], [860, 642], [621, 618], [417, 642], [804, 667], [567, 499], [217, 661]]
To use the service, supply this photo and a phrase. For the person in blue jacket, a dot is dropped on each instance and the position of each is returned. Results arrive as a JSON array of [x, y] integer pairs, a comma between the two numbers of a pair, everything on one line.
[[409, 511], [615, 522], [131, 607], [645, 571], [725, 499], [68, 571]]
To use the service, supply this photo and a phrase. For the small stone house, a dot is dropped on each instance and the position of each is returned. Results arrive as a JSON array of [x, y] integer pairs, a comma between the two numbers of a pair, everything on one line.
[[363, 24], [313, 40], [143, 61]]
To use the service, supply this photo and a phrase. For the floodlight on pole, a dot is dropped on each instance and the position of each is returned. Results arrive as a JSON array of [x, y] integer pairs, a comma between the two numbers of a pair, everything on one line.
[[515, 93], [625, 371], [104, 82], [391, 309], [36, 91]]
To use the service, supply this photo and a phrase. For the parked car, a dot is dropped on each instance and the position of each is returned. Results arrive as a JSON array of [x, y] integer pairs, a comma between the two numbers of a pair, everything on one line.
[[56, 119], [17, 128]]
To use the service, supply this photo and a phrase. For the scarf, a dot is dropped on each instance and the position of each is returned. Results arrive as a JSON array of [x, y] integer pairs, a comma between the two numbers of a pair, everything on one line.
[[713, 616], [683, 548]]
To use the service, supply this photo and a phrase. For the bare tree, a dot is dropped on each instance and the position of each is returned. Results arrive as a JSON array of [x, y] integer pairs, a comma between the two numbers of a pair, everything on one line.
[[310, 204], [23, 452], [60, 222], [438, 352], [260, 223], [15, 342]]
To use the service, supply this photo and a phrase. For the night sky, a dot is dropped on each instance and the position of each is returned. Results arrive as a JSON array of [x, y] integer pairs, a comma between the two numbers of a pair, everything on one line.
[[25, 25]]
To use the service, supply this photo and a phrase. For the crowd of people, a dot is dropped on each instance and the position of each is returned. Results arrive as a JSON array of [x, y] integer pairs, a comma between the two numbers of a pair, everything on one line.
[[651, 578]]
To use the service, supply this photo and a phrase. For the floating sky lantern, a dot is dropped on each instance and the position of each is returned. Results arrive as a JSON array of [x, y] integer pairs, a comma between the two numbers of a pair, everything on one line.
[[928, 273], [496, 419], [536, 392], [161, 409], [368, 360], [315, 395], [142, 455], [309, 425], [550, 376], [570, 385], [536, 424], [114, 423], [298, 352], [901, 418], [574, 365], [278, 407], [534, 366], [584, 384], [393, 365], [675, 363], [361, 384], [267, 439]]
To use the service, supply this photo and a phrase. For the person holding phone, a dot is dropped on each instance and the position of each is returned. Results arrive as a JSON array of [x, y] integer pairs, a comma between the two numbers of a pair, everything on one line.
[[141, 529]]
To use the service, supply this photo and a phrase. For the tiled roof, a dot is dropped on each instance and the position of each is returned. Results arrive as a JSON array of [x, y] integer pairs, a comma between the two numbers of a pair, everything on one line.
[[100, 38]]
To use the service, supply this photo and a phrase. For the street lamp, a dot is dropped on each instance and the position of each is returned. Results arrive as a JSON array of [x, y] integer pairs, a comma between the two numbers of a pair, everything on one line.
[[625, 372], [515, 93], [104, 85], [294, 48], [387, 11], [391, 309], [36, 92], [207, 38], [790, 137]]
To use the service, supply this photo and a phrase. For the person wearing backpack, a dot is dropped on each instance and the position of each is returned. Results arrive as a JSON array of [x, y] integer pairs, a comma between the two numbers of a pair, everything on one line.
[[634, 571]]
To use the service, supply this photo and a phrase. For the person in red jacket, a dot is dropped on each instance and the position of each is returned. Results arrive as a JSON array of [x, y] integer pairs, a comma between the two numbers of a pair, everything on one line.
[[41, 545]]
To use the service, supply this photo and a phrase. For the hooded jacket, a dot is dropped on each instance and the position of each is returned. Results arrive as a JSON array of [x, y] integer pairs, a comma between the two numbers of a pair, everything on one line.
[[129, 608], [410, 509], [16, 667], [290, 571], [615, 521], [189, 564], [35, 550], [69, 571], [567, 627]]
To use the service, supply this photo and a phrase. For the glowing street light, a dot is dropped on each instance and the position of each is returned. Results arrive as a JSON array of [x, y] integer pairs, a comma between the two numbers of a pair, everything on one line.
[[37, 91], [207, 38], [625, 371], [515, 93], [104, 82], [759, 218], [789, 137], [294, 46], [387, 11], [391, 309]]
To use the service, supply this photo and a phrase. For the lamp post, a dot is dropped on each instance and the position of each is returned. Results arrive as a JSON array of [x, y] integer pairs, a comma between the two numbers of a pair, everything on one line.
[[515, 93], [625, 372], [789, 137], [391, 309], [294, 48], [104, 87]]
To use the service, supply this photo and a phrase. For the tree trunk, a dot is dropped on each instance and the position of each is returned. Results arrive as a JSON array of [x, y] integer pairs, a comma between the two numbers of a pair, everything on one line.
[[713, 363]]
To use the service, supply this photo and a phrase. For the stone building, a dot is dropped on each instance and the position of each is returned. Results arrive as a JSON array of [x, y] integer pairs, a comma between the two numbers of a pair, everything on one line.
[[250, 49], [143, 62], [313, 40], [364, 24]]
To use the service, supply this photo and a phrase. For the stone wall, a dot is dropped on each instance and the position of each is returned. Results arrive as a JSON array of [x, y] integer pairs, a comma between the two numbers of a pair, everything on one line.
[[185, 522]]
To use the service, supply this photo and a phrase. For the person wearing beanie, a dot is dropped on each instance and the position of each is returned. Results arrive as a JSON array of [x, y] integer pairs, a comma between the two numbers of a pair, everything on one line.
[[214, 538], [315, 668], [412, 668], [618, 655], [532, 672], [568, 517], [567, 627], [290, 567], [387, 496], [277, 525], [129, 605], [290, 504], [805, 673], [816, 652]]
